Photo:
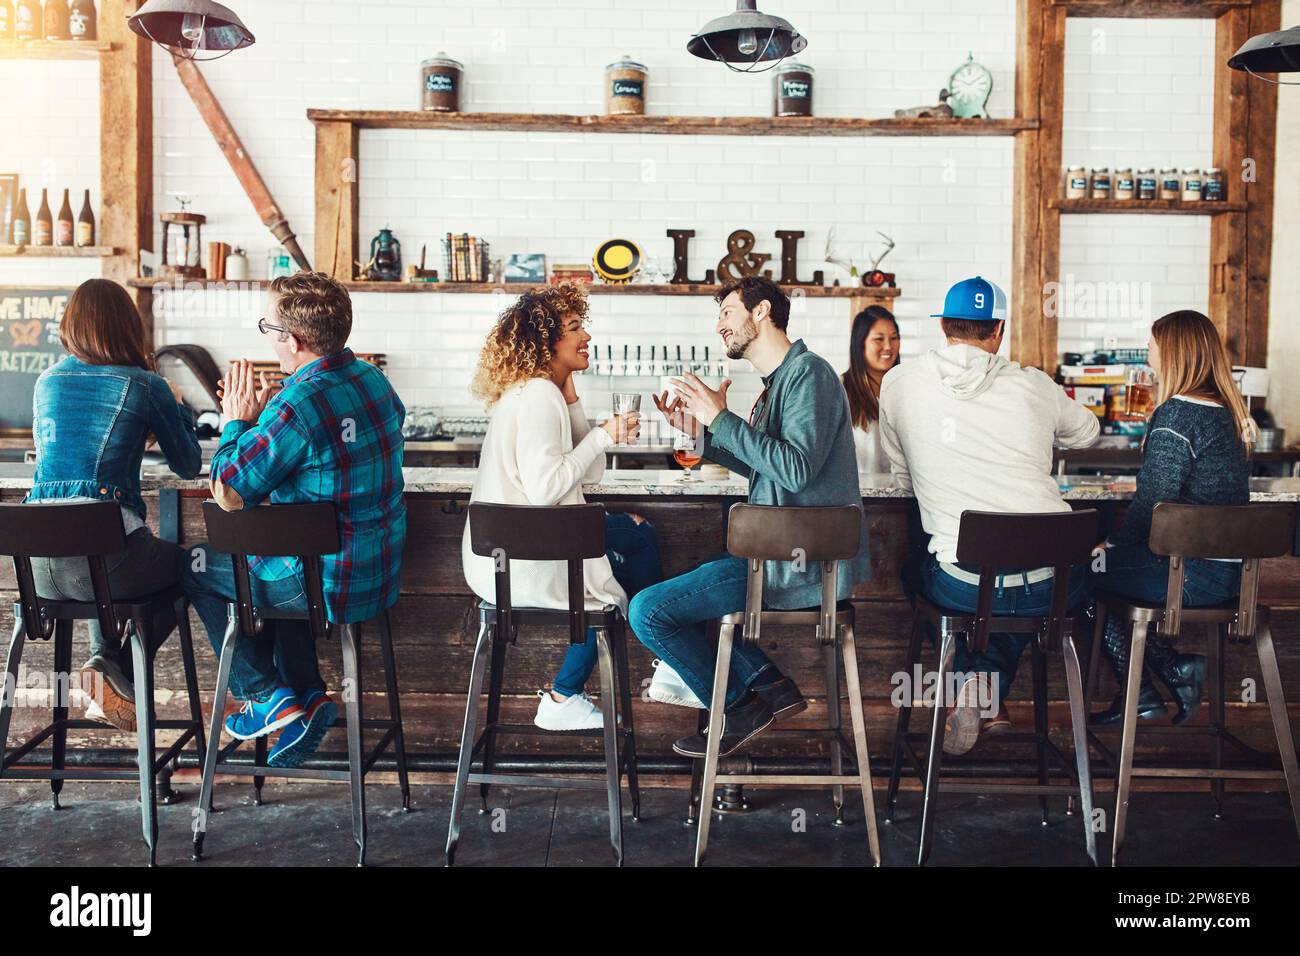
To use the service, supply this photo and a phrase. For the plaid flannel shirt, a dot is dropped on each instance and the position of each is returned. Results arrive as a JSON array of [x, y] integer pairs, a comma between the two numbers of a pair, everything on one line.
[[332, 433]]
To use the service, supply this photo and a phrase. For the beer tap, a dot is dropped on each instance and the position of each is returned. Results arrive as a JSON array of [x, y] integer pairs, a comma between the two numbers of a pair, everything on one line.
[[638, 360]]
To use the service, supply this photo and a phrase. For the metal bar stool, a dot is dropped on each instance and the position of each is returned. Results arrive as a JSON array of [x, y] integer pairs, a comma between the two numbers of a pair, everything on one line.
[[826, 535], [1180, 531], [569, 533], [998, 544], [308, 532], [92, 530]]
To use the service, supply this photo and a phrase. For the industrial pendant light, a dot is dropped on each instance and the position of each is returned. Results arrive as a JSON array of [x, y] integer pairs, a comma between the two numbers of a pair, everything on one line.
[[1277, 52], [187, 28], [746, 37]]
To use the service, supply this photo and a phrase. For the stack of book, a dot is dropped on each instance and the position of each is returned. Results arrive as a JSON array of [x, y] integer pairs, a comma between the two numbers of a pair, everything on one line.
[[465, 258], [571, 272]]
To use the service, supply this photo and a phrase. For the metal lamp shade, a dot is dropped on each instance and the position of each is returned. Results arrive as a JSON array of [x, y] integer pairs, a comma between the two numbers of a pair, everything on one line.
[[1269, 53], [720, 39], [162, 20]]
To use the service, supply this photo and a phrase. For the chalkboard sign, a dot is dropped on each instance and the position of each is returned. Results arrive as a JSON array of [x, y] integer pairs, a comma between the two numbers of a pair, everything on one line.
[[29, 344]]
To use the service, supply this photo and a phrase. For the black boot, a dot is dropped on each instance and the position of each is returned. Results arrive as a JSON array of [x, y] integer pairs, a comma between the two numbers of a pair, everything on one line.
[[1116, 644], [1183, 674]]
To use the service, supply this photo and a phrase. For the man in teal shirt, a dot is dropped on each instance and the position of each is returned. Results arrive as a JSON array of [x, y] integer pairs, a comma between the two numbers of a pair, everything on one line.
[[796, 449]]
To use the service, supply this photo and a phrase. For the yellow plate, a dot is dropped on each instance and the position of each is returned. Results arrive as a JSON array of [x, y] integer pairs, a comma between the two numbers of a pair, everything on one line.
[[617, 260]]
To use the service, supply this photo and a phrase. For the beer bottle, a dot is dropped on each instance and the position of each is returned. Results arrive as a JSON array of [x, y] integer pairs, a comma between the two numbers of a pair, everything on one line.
[[56, 20], [65, 227], [27, 20], [6, 20], [82, 24], [22, 225], [43, 235], [86, 223]]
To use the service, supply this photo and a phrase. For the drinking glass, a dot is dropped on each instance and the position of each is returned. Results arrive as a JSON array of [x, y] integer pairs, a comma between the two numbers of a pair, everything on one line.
[[625, 402], [1140, 395], [686, 453]]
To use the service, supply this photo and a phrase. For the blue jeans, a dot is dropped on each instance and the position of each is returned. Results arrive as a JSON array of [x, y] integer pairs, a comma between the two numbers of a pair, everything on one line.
[[672, 618], [633, 552], [284, 654], [1000, 659]]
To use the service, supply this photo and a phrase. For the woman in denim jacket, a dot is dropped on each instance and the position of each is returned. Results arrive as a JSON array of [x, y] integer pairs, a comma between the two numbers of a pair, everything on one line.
[[93, 413]]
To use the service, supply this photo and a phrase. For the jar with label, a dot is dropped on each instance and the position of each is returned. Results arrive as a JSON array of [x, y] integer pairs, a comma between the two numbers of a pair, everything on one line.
[[83, 23], [57, 20], [1171, 184], [792, 90], [1076, 183], [1101, 183], [1214, 183], [440, 82], [1192, 183], [625, 81], [1147, 184], [1125, 184]]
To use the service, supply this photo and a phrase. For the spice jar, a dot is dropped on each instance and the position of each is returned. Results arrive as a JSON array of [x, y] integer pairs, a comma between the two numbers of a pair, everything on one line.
[[1214, 183], [440, 80], [1171, 184], [1147, 184], [1192, 183], [1101, 183], [1125, 184], [625, 88], [1076, 183], [792, 90]]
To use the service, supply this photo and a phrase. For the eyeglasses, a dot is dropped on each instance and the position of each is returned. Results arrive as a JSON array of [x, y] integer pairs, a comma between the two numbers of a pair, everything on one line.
[[264, 327]]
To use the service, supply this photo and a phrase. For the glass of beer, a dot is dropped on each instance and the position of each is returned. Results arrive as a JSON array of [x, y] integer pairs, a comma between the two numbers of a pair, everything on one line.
[[686, 453], [1140, 396]]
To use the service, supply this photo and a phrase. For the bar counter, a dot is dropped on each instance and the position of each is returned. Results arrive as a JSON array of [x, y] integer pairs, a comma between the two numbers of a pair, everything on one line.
[[435, 622]]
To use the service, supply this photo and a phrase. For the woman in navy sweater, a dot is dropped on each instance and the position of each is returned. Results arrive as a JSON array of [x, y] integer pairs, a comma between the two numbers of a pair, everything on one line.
[[1194, 453]]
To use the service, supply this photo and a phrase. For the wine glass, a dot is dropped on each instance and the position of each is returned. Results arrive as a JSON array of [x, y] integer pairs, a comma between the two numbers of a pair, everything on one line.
[[686, 453]]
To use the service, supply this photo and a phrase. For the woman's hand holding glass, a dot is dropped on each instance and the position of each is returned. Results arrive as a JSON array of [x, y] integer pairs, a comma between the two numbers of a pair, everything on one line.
[[625, 428]]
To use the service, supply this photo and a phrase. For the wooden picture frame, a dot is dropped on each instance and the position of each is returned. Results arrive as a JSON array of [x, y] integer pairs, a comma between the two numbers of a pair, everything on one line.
[[9, 185]]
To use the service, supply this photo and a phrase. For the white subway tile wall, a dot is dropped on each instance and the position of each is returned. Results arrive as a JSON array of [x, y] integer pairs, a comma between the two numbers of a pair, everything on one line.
[[1137, 92]]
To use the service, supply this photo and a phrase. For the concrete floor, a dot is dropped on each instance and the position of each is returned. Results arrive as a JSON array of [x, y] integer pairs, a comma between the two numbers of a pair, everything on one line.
[[310, 824]]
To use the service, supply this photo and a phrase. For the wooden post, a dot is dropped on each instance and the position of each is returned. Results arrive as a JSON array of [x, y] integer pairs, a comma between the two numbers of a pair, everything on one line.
[[126, 148], [1227, 300], [1261, 146], [337, 200]]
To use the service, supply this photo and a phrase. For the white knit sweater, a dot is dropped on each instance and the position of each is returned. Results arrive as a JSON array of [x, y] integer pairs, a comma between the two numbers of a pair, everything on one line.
[[538, 450]]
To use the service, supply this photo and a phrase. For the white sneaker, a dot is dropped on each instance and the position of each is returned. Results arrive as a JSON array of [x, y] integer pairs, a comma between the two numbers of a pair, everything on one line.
[[578, 712], [667, 687]]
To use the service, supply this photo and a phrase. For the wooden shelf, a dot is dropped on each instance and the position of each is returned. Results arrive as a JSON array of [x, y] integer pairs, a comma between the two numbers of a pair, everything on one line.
[[53, 49], [1159, 207], [1151, 9], [58, 252], [679, 125]]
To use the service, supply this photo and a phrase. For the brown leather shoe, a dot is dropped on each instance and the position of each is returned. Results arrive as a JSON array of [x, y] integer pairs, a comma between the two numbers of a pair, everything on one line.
[[998, 724], [962, 726], [110, 704]]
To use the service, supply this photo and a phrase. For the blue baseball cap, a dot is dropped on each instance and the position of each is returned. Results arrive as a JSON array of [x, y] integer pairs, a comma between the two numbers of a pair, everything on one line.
[[976, 299]]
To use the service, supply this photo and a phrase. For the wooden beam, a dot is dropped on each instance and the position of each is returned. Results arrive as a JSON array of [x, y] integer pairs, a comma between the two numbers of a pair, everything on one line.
[[1152, 9], [1261, 146], [125, 147], [337, 198], [1227, 299]]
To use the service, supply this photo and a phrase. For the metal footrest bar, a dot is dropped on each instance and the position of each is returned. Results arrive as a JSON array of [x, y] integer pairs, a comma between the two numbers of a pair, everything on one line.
[[531, 780]]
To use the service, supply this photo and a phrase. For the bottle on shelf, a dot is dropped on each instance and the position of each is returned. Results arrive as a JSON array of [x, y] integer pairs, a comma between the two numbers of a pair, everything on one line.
[[43, 234], [28, 24], [21, 233], [57, 20], [6, 20], [86, 223], [65, 227], [82, 23]]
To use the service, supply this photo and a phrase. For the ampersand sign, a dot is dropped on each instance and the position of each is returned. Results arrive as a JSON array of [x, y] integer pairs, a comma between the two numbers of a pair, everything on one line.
[[739, 255]]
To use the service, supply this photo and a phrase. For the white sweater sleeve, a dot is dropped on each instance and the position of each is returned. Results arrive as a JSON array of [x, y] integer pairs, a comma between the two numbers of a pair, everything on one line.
[[547, 468], [892, 447], [580, 429]]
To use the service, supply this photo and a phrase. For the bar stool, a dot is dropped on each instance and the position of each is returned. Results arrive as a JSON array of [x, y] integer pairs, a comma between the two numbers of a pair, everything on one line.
[[826, 535], [308, 532], [1250, 533], [92, 530], [997, 544], [569, 533]]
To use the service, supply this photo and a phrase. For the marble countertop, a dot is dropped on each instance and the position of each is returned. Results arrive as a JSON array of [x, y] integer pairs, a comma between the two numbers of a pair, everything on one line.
[[15, 476]]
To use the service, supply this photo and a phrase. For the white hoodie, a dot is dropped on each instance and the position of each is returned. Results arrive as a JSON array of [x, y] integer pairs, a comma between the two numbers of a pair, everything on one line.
[[965, 430]]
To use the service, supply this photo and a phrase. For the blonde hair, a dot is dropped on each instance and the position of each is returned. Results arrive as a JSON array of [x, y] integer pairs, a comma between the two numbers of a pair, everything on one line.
[[1194, 362], [521, 345]]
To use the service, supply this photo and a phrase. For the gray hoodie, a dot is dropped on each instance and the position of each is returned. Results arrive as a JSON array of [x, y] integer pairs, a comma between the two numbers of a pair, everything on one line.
[[965, 430]]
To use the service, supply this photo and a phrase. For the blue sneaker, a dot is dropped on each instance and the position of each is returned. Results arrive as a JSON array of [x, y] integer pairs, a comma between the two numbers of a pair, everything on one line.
[[259, 718], [302, 738]]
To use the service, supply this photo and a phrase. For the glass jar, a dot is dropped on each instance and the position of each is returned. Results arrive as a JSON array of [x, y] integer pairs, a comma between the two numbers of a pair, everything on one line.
[[1076, 183], [440, 83], [1214, 186], [1125, 184], [1147, 184], [625, 88], [1101, 183], [1193, 183], [792, 90], [1171, 184]]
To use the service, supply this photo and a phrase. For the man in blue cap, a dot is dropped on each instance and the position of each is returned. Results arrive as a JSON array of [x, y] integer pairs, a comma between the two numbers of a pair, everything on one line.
[[967, 430]]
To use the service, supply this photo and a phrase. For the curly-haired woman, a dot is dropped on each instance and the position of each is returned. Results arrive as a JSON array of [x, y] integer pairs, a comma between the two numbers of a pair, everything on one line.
[[538, 450]]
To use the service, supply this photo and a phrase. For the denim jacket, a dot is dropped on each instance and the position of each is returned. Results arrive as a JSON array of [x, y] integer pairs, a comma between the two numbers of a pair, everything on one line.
[[89, 423], [797, 451]]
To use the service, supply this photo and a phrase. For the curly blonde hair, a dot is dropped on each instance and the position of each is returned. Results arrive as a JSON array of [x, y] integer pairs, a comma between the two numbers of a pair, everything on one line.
[[522, 343]]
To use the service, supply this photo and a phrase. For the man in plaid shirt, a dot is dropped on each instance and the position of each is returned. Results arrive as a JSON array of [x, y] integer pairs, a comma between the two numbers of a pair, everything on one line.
[[332, 433]]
